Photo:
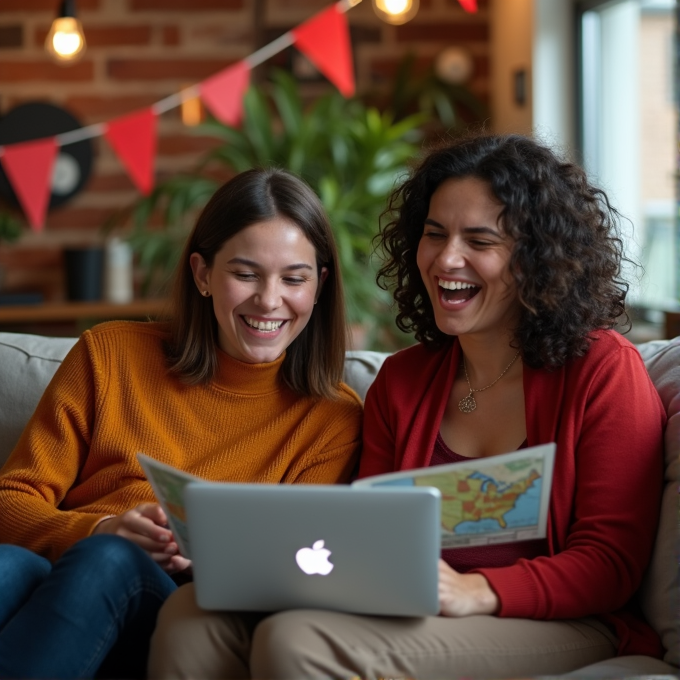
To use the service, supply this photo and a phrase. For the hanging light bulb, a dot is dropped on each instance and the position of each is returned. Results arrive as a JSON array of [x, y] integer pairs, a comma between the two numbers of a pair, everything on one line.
[[396, 12], [65, 42]]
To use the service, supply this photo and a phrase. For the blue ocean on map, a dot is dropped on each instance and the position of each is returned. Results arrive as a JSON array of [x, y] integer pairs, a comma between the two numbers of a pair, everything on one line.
[[524, 513], [404, 481]]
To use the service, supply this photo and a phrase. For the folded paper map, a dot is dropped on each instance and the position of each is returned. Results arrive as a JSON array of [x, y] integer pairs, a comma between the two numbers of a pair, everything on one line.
[[168, 484], [500, 499]]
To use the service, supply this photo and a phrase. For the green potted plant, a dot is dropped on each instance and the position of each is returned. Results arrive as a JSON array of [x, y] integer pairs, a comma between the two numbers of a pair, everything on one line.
[[449, 107]]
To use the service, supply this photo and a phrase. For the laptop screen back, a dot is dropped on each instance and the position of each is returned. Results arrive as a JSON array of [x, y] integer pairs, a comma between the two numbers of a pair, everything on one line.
[[274, 547]]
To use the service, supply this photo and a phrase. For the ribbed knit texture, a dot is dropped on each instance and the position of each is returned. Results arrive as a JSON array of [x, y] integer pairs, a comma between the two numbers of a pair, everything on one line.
[[113, 396]]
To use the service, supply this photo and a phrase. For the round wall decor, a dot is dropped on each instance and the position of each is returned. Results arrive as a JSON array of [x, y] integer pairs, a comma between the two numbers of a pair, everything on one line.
[[73, 163]]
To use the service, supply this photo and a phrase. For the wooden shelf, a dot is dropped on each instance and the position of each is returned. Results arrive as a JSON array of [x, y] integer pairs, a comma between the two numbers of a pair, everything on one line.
[[79, 311]]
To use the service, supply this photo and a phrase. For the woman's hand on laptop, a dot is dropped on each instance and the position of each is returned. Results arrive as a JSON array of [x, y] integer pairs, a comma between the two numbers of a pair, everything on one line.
[[146, 526], [464, 594]]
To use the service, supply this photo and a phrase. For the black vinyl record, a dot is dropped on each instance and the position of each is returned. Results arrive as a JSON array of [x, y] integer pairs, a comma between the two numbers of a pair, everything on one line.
[[73, 163]]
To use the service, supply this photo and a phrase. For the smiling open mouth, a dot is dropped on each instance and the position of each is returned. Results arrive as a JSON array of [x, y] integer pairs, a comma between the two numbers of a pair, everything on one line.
[[263, 326], [457, 291]]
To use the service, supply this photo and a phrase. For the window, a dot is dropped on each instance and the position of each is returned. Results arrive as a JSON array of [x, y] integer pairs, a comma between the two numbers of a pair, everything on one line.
[[628, 123]]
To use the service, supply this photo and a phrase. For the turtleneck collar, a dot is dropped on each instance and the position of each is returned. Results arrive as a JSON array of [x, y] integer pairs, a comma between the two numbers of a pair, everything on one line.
[[242, 378]]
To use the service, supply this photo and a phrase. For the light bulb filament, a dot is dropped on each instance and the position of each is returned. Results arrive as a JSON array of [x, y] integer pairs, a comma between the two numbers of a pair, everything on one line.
[[65, 42], [396, 11], [396, 6]]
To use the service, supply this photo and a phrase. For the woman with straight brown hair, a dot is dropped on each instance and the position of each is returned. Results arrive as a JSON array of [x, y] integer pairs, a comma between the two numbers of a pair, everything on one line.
[[315, 358], [241, 385]]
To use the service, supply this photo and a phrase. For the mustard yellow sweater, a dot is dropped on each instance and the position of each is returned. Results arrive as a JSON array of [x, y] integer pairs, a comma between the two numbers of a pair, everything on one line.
[[113, 396]]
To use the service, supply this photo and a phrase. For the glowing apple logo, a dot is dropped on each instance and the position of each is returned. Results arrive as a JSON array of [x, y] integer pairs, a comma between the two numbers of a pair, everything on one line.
[[314, 560]]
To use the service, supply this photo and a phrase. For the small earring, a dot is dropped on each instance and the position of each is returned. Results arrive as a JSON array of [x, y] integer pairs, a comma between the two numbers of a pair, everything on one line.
[[206, 293]]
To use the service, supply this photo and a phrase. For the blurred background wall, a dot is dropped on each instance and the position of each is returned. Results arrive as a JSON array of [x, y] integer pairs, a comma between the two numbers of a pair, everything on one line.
[[139, 51]]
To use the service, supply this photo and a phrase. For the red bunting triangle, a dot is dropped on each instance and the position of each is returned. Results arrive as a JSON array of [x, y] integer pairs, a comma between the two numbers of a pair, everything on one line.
[[468, 5], [324, 39], [223, 93], [28, 166], [133, 138]]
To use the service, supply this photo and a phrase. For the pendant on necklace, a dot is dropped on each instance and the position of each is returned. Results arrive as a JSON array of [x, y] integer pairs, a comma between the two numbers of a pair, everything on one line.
[[467, 404]]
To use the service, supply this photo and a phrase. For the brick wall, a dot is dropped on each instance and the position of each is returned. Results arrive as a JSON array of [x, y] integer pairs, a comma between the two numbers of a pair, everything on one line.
[[140, 51]]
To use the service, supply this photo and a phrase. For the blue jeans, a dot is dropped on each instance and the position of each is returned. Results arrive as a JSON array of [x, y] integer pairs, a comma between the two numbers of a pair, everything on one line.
[[91, 613]]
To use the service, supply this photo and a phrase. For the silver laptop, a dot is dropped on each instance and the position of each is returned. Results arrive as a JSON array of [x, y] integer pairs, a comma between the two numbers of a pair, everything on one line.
[[268, 547]]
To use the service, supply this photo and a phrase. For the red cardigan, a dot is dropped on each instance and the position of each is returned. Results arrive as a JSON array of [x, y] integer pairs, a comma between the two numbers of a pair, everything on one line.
[[603, 412]]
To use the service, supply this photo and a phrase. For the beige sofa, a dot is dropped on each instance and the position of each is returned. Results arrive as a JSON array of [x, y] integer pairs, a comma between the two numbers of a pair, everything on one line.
[[27, 362]]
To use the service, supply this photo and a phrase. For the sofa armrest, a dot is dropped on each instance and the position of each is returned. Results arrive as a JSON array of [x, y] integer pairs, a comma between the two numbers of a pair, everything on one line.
[[27, 364], [660, 590]]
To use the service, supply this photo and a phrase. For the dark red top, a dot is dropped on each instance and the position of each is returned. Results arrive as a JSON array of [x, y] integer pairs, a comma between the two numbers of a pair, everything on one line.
[[607, 420]]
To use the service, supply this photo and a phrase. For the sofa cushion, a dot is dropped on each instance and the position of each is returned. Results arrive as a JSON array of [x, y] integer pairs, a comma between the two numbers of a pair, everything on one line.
[[27, 364], [660, 592], [640, 667], [361, 367]]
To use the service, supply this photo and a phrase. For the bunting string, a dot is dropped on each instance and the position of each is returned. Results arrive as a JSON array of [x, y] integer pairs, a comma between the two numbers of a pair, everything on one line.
[[174, 100], [323, 39]]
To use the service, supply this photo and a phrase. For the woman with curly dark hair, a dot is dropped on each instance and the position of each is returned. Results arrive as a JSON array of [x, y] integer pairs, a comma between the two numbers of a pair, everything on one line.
[[505, 261], [565, 257]]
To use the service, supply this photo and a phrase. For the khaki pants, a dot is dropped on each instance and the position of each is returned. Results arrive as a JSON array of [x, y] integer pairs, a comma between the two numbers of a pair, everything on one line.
[[192, 643]]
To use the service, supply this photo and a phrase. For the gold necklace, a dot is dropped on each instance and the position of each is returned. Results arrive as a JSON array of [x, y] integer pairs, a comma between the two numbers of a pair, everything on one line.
[[468, 404]]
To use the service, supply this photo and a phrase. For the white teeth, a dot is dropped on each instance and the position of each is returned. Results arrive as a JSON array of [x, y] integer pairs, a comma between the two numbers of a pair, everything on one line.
[[455, 285], [266, 326]]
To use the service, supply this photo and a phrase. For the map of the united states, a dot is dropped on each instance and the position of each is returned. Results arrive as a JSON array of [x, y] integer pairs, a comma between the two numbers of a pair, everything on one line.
[[493, 505], [468, 498], [498, 499]]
